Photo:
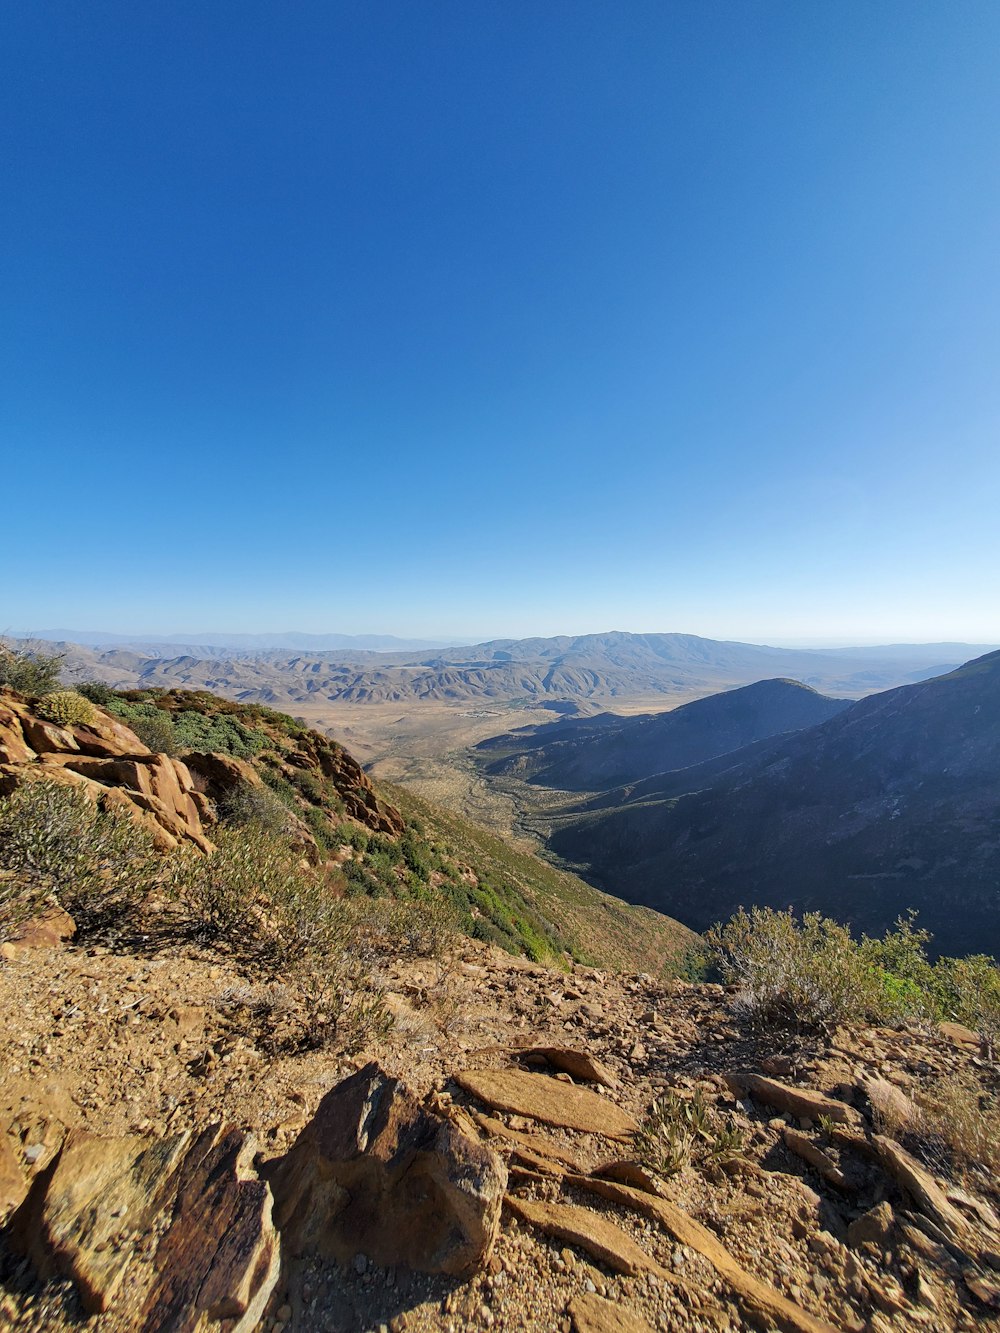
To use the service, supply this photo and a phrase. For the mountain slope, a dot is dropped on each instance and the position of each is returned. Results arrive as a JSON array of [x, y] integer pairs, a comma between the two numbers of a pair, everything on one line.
[[599, 667], [594, 754], [890, 805]]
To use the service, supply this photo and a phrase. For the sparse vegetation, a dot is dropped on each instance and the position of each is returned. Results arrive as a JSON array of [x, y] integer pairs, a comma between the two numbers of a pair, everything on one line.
[[29, 670], [55, 842], [685, 1131], [812, 972]]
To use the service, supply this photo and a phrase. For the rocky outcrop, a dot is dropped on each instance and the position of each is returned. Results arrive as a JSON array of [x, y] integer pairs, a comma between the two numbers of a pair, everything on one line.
[[376, 1174], [91, 1214], [108, 763]]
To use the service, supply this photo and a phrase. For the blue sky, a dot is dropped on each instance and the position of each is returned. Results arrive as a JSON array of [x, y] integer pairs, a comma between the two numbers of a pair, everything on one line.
[[476, 318]]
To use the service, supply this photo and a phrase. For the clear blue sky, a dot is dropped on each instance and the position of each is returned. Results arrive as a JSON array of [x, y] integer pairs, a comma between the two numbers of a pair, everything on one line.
[[488, 317]]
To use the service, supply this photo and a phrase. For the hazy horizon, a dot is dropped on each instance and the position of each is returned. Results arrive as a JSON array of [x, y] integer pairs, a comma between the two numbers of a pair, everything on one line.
[[431, 641]]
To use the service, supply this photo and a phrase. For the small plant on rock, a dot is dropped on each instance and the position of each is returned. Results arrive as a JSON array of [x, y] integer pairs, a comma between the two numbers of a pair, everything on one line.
[[66, 708], [685, 1131]]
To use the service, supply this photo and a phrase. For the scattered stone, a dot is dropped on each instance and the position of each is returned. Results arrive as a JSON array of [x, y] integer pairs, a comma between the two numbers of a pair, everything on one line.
[[543, 1098], [374, 1172], [757, 1295]]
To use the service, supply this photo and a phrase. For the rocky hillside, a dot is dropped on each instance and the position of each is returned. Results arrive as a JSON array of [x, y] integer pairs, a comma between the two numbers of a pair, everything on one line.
[[594, 754], [889, 806], [212, 765], [524, 1151], [589, 667]]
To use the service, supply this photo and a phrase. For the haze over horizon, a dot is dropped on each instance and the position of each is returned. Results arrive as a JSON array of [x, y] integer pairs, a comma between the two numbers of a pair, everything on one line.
[[493, 321]]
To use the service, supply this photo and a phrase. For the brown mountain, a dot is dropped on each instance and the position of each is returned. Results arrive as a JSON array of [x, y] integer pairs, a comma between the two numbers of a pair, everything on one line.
[[591, 667], [593, 754], [890, 805]]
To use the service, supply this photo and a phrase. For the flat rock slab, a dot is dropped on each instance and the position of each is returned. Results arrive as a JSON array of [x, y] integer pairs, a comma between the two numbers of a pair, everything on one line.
[[758, 1296], [548, 1100], [802, 1102], [578, 1064], [593, 1314], [533, 1143], [591, 1232]]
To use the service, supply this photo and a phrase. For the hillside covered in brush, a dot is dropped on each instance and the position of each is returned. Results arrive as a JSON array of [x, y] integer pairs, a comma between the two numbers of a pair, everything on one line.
[[198, 771]]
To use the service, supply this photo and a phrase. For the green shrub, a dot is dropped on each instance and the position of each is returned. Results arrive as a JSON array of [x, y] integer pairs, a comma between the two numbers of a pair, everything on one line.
[[54, 841], [66, 707], [156, 731], [813, 972], [97, 692], [257, 807], [28, 670]]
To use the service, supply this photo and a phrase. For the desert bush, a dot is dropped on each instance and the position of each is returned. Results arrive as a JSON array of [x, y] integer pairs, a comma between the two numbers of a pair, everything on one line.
[[28, 670], [813, 972], [680, 1131], [260, 807], [96, 691], [968, 991], [54, 841], [960, 1120], [65, 707]]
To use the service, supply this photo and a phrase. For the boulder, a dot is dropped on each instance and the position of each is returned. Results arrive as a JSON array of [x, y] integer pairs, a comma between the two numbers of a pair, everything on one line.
[[377, 1174], [90, 1215], [13, 1182], [593, 1314], [578, 1064], [46, 931]]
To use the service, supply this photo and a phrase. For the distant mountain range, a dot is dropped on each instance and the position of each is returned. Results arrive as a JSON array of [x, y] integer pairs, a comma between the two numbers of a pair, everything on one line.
[[596, 753], [891, 804], [596, 669], [211, 644]]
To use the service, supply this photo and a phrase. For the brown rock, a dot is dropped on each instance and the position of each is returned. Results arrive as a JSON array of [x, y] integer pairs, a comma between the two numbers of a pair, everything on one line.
[[593, 1314], [961, 1036], [220, 1256], [548, 1100], [579, 1064], [217, 1256], [800, 1102], [95, 1184], [629, 1173], [46, 736], [921, 1186], [377, 1174], [534, 1143], [873, 1227], [13, 1183], [105, 735], [811, 1152], [590, 1231]]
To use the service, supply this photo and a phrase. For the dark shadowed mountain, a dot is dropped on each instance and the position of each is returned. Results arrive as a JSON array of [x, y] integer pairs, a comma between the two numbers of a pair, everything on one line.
[[593, 754], [892, 804], [595, 668]]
